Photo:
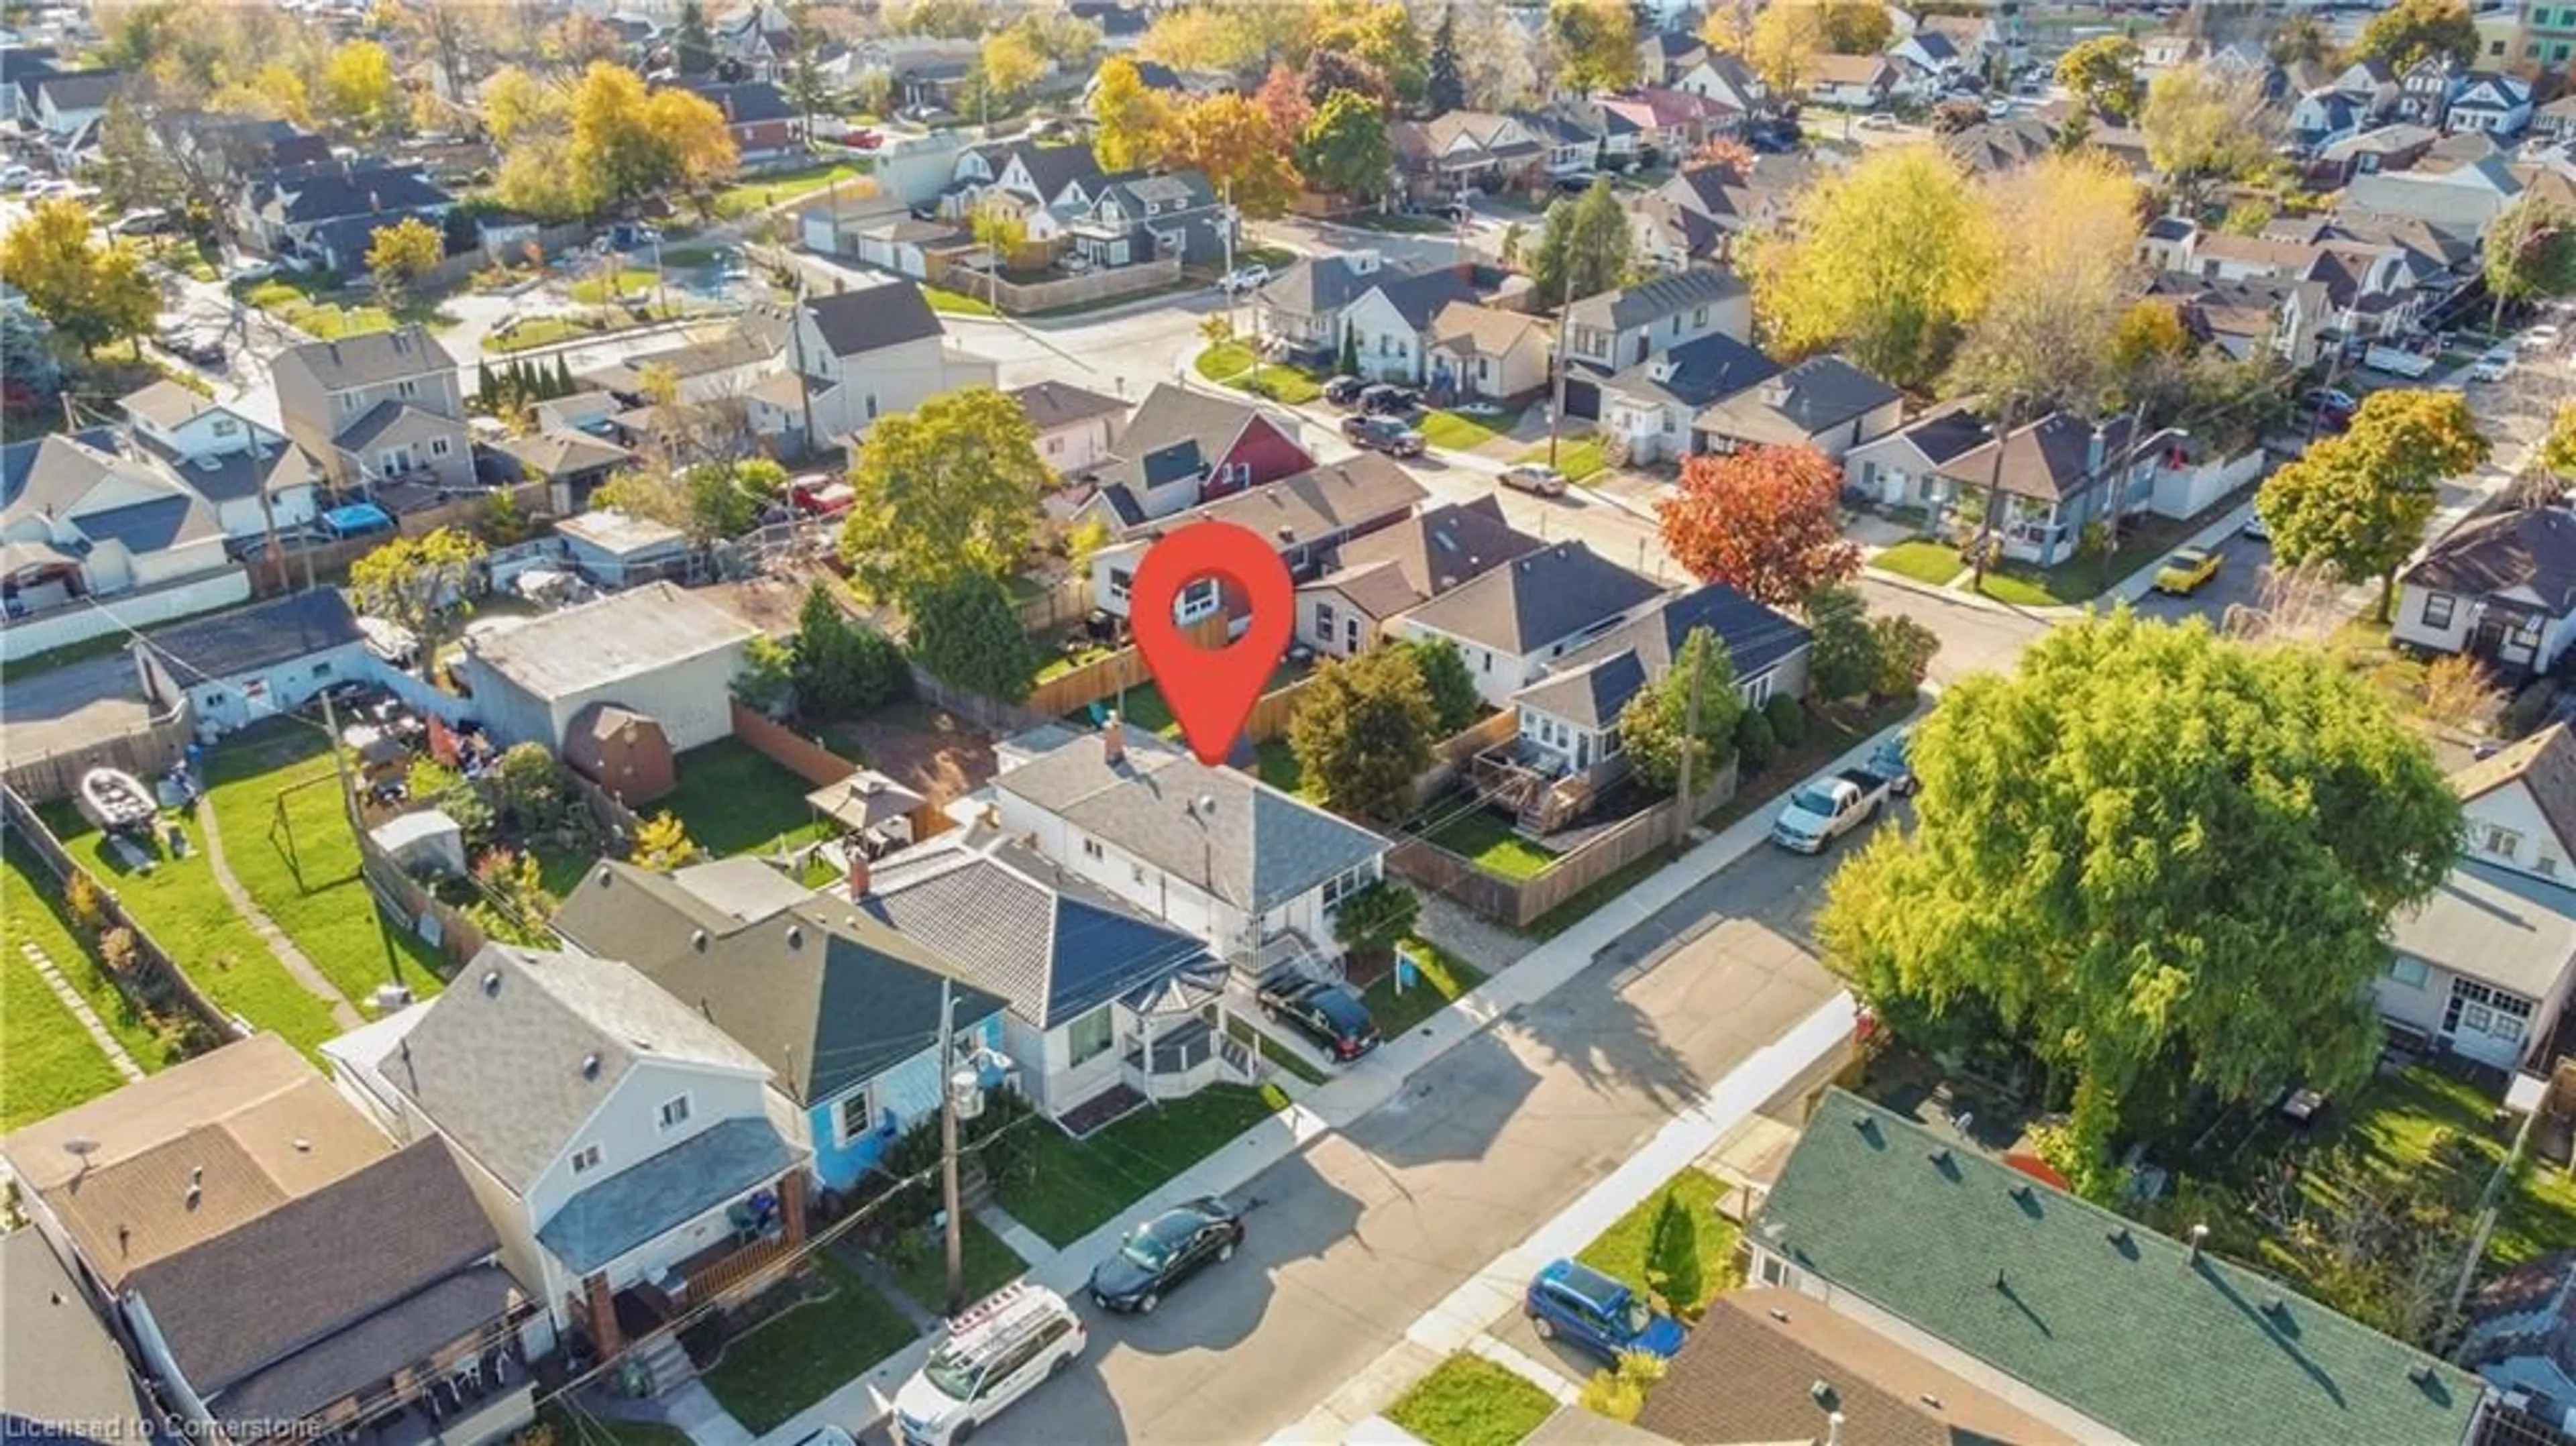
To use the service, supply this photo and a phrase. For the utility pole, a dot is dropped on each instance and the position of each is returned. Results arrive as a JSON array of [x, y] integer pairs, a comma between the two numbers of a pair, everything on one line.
[[349, 801], [1564, 339], [804, 384], [2128, 464], [955, 1227], [1690, 744], [661, 278], [1986, 541], [1227, 282]]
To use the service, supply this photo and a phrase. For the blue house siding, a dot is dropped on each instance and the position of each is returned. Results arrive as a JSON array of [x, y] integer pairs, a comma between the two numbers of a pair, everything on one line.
[[900, 1096]]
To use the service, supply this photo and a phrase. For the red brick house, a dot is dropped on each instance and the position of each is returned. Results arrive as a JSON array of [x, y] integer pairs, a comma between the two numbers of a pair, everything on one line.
[[767, 130], [1184, 448]]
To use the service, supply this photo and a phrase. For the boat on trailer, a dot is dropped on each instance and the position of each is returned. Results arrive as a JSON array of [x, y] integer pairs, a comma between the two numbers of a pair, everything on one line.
[[115, 800]]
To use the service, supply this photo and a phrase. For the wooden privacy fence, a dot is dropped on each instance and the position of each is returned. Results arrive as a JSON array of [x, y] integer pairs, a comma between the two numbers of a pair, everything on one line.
[[149, 957], [1454, 753], [146, 752], [1272, 710], [1064, 600], [1522, 902], [411, 902], [788, 749], [1104, 677]]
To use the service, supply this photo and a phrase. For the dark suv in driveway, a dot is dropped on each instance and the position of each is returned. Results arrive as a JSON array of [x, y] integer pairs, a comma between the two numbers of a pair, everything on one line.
[[1326, 1013], [1382, 434]]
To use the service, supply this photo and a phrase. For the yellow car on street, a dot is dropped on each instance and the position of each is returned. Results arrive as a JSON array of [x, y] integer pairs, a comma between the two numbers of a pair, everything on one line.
[[2186, 570]]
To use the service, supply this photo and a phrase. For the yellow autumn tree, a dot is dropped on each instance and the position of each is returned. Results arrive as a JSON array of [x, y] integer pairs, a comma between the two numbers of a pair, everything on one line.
[[1888, 260]]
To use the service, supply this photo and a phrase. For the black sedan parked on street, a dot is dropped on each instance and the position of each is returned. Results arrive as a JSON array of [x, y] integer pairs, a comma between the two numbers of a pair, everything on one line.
[[1163, 1252]]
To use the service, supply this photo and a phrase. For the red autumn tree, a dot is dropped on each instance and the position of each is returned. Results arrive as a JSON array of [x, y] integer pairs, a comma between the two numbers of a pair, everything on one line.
[[1761, 521], [1284, 96], [1725, 151]]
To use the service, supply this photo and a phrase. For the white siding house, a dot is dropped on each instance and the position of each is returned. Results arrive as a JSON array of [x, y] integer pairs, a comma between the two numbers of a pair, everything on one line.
[[657, 650]]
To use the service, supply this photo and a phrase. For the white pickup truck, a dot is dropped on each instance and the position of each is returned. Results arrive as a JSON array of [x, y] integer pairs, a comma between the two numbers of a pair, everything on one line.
[[1825, 809], [2397, 361]]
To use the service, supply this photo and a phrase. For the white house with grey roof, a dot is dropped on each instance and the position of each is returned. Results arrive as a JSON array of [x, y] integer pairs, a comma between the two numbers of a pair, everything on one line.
[[2484, 969], [1303, 516], [237, 667], [618, 1141], [1389, 324], [2500, 588], [86, 517], [1511, 623], [850, 357], [1823, 402], [1649, 409], [1096, 986], [1212, 852], [254, 478]]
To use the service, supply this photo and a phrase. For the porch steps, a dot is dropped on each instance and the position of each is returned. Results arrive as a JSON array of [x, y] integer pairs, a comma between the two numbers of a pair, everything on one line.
[[668, 1365], [974, 1184]]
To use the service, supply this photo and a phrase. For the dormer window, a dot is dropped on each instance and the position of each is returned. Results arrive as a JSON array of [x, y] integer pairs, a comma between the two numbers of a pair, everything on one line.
[[407, 387], [585, 1159]]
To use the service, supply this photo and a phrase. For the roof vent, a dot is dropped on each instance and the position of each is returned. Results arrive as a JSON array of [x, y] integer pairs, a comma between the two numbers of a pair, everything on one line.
[[1928, 1399], [2021, 1191], [492, 981], [303, 1146], [795, 936], [1821, 1391], [2276, 1307], [590, 1066], [2420, 1373], [698, 940], [1939, 1155], [605, 876], [2118, 1235], [2199, 1234], [1779, 1315]]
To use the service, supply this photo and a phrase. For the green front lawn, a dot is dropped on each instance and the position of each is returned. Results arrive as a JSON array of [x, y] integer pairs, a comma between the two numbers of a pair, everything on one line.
[[920, 1266], [322, 320], [1464, 432], [586, 1429], [759, 193], [1622, 1251], [1470, 1401], [303, 873], [957, 303], [1077, 1186], [543, 331], [1923, 559], [1577, 457], [2393, 1123], [1277, 258], [733, 800], [1224, 361], [1486, 837], [791, 1361], [1272, 1050], [1440, 977], [599, 290], [185, 910], [1288, 385]]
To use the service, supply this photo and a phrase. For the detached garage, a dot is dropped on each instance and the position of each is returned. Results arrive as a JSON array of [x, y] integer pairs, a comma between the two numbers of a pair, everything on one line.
[[255, 662], [659, 650]]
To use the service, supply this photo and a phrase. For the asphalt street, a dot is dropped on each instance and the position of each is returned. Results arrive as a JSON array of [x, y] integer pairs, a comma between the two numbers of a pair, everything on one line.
[[1361, 1232]]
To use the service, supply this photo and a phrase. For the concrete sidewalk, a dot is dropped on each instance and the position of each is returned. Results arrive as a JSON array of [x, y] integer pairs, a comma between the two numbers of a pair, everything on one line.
[[1379, 1078]]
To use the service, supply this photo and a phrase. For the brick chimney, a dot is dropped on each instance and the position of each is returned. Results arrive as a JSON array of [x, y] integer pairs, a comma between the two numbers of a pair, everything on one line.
[[858, 877], [1113, 740]]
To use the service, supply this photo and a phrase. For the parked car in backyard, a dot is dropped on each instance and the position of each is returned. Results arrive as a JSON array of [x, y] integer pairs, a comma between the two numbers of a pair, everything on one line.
[[820, 494], [1382, 434], [1574, 1303], [1325, 1012], [1165, 1251], [1825, 809], [1535, 478]]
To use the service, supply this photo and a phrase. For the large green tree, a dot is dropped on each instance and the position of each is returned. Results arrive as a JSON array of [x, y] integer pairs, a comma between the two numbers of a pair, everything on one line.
[[89, 293], [2413, 30], [1583, 249], [2530, 253], [1655, 730], [2204, 127], [947, 490], [1363, 729], [1345, 149], [2360, 502], [1888, 260], [1444, 88], [965, 632], [2157, 858], [420, 583], [2103, 73], [1595, 43]]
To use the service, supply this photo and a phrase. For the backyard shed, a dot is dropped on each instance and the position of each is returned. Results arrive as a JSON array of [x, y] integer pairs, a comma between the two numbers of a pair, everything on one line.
[[881, 812], [425, 843], [615, 549], [659, 650], [623, 751]]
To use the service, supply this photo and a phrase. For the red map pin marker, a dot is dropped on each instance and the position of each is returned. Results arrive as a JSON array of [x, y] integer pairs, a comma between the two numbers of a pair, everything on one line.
[[1212, 690]]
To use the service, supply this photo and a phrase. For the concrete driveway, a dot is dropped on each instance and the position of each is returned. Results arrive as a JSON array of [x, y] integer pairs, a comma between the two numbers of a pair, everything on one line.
[[1356, 1236], [67, 707]]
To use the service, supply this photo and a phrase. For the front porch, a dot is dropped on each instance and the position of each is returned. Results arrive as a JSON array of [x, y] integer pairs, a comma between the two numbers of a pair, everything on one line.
[[1185, 1059], [1540, 786]]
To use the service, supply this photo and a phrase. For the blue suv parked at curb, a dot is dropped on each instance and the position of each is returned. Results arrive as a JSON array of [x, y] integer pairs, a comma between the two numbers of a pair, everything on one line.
[[1582, 1307]]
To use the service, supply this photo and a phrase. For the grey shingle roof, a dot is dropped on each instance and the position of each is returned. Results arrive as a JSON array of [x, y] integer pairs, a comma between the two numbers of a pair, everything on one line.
[[1256, 849], [59, 1368], [1172, 414], [1056, 404], [53, 472], [245, 640], [1321, 285], [1318, 503], [1425, 556], [826, 997], [164, 404], [1420, 297], [498, 1061], [668, 1190], [1696, 373], [393, 421], [1811, 398], [1654, 300], [1592, 685], [2047, 460], [873, 317], [1540, 599], [2526, 556], [2107, 1317], [748, 103], [2497, 925], [164, 522], [1051, 944], [2544, 764], [369, 359], [283, 1284]]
